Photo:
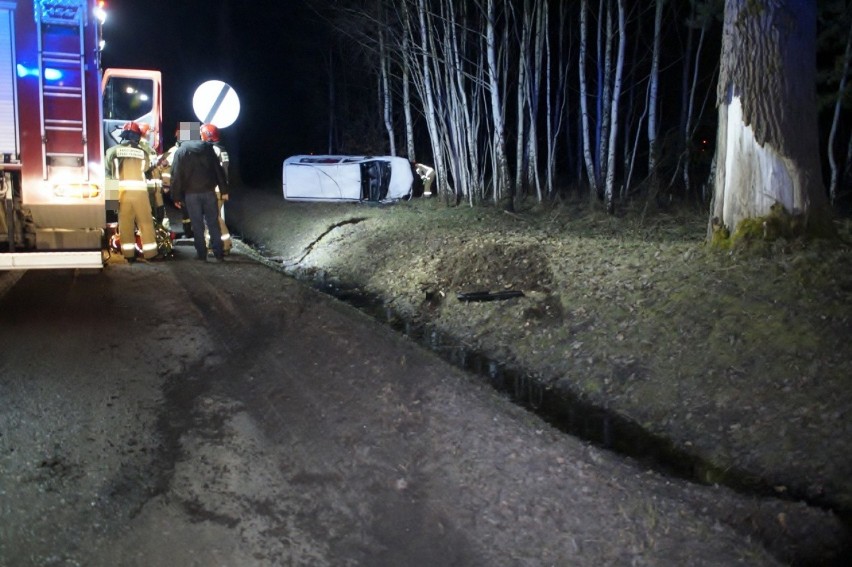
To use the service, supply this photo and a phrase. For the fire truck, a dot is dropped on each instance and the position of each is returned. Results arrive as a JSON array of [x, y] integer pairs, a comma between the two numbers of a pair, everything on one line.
[[59, 113]]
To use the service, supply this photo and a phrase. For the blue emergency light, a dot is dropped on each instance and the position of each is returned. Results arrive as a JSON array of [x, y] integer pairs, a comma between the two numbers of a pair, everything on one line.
[[49, 73]]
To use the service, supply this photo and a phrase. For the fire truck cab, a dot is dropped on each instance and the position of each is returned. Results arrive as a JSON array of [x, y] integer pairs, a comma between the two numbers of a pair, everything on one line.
[[58, 115]]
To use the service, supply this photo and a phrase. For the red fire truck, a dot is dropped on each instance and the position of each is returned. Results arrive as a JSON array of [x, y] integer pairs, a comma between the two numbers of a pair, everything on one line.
[[58, 115]]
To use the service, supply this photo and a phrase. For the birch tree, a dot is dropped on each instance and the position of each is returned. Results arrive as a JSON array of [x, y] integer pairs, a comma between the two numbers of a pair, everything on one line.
[[406, 83], [384, 63], [501, 176], [428, 97], [653, 146], [767, 146], [584, 100], [841, 92], [609, 192]]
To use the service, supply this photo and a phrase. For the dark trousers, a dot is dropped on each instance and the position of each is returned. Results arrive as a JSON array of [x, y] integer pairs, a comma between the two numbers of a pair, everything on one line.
[[203, 209]]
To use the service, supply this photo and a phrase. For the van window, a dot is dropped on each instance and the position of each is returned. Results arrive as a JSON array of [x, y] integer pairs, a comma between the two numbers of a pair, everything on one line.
[[128, 98]]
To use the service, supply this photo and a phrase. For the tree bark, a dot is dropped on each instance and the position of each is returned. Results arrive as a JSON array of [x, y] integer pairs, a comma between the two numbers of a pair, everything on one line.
[[767, 147], [584, 100], [653, 89], [613, 127], [501, 177]]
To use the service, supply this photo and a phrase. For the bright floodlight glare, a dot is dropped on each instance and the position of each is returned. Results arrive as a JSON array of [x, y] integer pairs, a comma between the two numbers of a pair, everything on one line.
[[101, 45], [100, 14], [143, 96], [52, 74], [130, 90]]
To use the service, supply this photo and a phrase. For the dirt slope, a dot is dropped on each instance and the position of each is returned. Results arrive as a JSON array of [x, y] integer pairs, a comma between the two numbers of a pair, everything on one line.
[[733, 368]]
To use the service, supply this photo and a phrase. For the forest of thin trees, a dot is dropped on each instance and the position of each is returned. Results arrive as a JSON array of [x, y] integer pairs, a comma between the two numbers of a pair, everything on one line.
[[538, 99]]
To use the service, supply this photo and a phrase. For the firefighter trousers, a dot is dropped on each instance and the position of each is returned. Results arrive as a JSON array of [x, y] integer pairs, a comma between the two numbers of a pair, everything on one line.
[[134, 210], [155, 196], [223, 228]]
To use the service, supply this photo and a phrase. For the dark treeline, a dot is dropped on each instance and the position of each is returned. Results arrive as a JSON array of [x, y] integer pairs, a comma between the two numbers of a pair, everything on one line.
[[537, 99]]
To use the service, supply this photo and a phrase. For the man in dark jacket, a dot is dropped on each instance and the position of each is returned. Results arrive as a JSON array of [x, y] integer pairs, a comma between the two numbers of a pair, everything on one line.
[[196, 172]]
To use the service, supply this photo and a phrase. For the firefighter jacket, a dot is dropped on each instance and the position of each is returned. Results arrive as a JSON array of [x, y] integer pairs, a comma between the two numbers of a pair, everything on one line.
[[164, 166], [128, 163], [196, 169], [224, 160]]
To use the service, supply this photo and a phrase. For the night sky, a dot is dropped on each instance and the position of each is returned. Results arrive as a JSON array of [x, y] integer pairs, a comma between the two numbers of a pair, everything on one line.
[[272, 53]]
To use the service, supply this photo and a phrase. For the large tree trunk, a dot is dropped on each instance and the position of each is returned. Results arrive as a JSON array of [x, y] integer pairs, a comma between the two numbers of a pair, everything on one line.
[[767, 147]]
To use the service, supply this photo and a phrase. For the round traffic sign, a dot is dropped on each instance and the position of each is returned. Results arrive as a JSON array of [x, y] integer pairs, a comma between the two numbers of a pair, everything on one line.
[[215, 102]]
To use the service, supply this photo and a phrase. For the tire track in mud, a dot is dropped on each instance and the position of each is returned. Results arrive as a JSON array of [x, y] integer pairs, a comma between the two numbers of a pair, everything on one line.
[[267, 381]]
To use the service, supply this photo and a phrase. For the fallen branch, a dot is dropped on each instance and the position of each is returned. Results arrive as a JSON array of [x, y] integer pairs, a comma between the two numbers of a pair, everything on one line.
[[488, 295]]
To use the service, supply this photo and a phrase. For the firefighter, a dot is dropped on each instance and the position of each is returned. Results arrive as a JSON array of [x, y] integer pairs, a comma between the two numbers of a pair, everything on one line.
[[427, 175], [155, 181], [128, 163], [196, 172], [164, 166], [210, 133]]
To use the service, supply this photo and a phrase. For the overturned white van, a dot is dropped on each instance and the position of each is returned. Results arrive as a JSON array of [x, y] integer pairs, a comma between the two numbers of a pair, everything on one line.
[[347, 178]]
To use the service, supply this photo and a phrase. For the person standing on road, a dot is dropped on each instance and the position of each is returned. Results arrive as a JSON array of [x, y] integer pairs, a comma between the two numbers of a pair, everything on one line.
[[210, 133], [196, 172], [128, 163]]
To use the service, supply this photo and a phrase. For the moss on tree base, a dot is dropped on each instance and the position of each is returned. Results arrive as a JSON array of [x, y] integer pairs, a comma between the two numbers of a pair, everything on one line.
[[778, 224]]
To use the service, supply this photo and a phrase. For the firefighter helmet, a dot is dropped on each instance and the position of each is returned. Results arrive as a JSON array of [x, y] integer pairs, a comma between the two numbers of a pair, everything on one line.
[[131, 131], [209, 133], [144, 128], [132, 127]]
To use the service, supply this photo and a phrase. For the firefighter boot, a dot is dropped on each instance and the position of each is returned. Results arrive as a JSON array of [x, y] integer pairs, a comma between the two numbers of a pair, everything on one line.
[[187, 224]]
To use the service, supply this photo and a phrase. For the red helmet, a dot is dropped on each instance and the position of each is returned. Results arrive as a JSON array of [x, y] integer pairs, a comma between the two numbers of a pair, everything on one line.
[[132, 127], [144, 128], [209, 133]]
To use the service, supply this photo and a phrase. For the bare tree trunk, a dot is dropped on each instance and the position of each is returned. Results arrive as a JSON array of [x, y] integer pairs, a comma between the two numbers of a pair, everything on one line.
[[431, 118], [767, 147], [502, 174], [584, 102], [556, 94], [539, 10], [406, 84], [386, 94], [522, 99], [841, 88], [616, 94], [605, 93], [653, 149], [690, 110]]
